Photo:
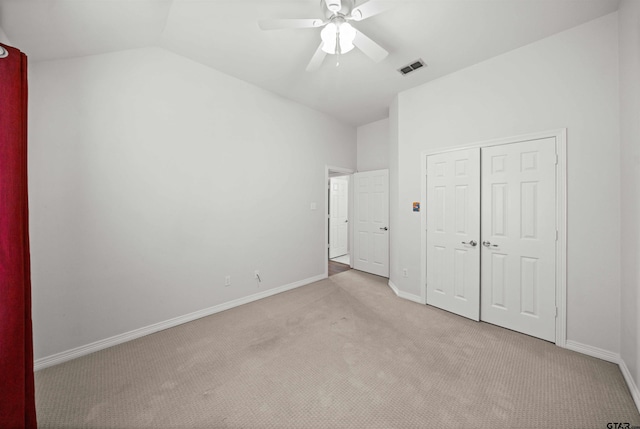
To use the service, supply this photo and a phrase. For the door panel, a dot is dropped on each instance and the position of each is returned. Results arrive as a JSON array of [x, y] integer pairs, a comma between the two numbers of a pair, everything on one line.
[[529, 286], [460, 273], [371, 238], [498, 276], [362, 253], [453, 218], [518, 237]]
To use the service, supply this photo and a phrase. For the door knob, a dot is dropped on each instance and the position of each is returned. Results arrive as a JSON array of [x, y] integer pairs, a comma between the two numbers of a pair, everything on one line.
[[471, 243], [488, 244], [384, 229]]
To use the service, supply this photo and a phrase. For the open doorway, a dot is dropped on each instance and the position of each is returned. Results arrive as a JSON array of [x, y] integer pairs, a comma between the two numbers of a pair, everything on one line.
[[338, 235], [339, 219]]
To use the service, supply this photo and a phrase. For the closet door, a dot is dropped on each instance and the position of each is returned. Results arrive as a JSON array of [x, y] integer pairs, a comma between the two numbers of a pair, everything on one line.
[[518, 237], [453, 232]]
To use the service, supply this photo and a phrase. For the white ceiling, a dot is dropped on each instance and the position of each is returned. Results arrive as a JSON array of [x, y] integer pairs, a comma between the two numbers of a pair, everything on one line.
[[223, 34]]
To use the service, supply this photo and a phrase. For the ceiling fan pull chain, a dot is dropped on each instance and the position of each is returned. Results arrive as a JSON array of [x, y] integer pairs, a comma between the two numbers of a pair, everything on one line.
[[338, 50]]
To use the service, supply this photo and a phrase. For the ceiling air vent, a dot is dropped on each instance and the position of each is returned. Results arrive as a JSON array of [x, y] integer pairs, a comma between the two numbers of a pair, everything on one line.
[[413, 66]]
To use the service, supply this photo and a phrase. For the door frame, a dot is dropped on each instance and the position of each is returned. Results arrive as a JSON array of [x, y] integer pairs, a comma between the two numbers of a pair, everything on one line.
[[343, 172], [560, 136]]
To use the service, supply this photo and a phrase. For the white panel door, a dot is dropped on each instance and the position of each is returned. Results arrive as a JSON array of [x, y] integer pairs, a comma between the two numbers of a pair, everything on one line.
[[453, 232], [371, 218], [338, 218], [518, 237]]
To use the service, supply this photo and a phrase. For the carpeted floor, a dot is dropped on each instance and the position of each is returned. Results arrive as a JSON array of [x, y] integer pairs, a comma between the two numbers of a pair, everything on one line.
[[342, 352]]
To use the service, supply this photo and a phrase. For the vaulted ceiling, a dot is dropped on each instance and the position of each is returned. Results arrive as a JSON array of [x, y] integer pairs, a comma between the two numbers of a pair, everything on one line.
[[223, 34]]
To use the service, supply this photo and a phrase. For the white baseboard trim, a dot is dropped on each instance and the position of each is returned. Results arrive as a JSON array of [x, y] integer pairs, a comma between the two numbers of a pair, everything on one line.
[[609, 357], [68, 355], [393, 287], [405, 295], [633, 387], [593, 351]]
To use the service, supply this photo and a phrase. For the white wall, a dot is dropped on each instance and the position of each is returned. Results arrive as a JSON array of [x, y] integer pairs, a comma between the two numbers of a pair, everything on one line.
[[3, 37], [152, 178], [373, 146], [629, 15], [567, 80]]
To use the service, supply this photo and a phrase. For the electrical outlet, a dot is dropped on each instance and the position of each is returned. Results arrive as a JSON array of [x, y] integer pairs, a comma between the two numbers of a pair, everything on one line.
[[227, 281], [405, 272]]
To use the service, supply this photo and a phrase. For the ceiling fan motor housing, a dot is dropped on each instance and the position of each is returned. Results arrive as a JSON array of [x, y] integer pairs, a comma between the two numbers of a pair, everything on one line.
[[337, 7], [334, 5]]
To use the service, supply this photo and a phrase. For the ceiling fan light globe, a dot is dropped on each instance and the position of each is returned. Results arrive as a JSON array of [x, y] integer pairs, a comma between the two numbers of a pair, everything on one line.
[[330, 32], [328, 36], [347, 35], [346, 47], [328, 48]]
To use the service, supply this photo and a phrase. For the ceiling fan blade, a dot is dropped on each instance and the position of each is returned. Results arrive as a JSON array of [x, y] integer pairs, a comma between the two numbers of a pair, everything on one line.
[[317, 59], [279, 24], [369, 9], [371, 49]]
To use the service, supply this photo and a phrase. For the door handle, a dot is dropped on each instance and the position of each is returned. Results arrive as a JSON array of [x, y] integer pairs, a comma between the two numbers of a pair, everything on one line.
[[471, 243], [488, 244], [346, 221], [384, 229]]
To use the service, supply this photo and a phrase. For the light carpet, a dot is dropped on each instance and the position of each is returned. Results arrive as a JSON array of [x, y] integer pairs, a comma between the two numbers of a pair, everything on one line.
[[342, 352]]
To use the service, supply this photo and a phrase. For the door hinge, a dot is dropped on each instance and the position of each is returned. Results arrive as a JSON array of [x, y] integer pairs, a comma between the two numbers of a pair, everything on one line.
[[557, 235], [556, 312], [556, 159]]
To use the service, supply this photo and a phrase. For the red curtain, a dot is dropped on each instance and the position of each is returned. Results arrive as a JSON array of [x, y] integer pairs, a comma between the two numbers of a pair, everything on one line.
[[17, 395]]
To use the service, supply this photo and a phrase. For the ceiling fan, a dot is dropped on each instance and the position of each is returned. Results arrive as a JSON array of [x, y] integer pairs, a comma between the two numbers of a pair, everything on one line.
[[338, 35]]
